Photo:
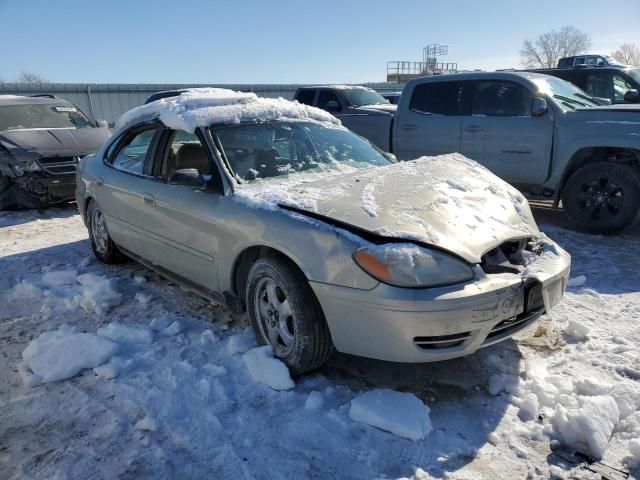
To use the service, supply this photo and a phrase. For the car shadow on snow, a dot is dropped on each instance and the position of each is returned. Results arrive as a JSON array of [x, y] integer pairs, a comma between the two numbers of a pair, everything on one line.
[[20, 217], [463, 413]]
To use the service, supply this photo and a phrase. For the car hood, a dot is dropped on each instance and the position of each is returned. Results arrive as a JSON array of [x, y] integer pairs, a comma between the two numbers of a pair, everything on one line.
[[56, 142], [448, 201], [378, 108], [622, 107]]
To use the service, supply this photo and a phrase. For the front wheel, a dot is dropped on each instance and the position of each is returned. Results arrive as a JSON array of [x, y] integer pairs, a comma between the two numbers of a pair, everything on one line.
[[103, 247], [602, 197], [285, 314]]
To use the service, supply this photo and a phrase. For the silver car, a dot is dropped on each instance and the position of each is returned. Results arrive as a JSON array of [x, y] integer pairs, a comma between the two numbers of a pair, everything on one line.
[[273, 208]]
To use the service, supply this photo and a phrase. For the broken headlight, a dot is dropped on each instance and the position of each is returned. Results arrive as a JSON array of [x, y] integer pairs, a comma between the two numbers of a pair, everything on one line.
[[412, 266]]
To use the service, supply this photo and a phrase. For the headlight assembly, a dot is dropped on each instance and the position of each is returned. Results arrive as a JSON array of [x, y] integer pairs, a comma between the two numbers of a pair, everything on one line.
[[23, 167], [411, 266]]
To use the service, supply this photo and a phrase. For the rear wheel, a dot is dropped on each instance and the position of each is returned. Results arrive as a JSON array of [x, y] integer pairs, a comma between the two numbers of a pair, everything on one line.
[[103, 247], [285, 314], [602, 197]]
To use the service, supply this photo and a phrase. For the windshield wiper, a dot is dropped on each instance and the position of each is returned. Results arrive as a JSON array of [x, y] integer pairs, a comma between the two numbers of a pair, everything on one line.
[[587, 98], [570, 100]]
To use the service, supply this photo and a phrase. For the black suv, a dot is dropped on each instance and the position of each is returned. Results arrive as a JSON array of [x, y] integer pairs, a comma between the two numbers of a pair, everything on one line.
[[610, 82], [41, 139]]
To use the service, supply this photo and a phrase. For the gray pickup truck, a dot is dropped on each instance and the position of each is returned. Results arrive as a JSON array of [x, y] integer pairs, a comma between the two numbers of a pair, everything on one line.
[[360, 109], [540, 133]]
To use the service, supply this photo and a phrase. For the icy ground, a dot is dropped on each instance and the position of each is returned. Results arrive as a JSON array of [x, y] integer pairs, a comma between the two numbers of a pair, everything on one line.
[[162, 385]]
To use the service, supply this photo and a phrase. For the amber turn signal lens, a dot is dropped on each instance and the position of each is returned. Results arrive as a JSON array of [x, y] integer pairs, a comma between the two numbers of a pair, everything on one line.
[[372, 266]]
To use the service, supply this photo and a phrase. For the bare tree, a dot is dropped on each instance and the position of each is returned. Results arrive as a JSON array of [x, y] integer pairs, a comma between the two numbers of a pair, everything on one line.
[[628, 54], [31, 77], [545, 50]]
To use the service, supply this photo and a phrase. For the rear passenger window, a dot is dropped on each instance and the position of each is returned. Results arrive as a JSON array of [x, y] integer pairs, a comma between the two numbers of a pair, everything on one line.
[[306, 96], [130, 155], [501, 99], [440, 98]]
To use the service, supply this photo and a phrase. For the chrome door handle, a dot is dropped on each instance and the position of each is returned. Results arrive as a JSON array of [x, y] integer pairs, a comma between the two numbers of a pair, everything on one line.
[[149, 199], [473, 129], [99, 182], [408, 127]]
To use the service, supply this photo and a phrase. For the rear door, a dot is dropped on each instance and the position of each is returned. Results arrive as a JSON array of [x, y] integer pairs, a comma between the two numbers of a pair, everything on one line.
[[429, 120], [502, 135]]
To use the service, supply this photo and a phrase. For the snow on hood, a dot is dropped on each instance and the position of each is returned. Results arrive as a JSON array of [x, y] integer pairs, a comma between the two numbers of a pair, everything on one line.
[[383, 107], [200, 107], [448, 201]]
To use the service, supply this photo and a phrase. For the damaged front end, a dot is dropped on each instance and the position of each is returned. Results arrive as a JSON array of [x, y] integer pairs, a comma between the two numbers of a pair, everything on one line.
[[46, 180], [542, 264]]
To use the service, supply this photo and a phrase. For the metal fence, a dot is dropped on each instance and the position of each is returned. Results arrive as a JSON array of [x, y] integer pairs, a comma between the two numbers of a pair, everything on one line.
[[107, 101]]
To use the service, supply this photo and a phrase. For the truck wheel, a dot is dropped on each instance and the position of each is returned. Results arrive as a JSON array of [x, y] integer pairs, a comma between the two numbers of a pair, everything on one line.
[[285, 314], [602, 197], [103, 247]]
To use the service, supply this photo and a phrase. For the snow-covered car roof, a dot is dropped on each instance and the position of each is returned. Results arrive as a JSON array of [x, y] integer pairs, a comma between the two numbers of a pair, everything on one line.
[[200, 107]]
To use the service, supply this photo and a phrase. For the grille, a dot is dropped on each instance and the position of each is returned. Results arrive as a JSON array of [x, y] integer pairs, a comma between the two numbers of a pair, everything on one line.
[[512, 324], [59, 165], [441, 341]]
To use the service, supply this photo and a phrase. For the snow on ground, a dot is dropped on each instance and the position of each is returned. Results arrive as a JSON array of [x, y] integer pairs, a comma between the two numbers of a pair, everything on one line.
[[162, 385]]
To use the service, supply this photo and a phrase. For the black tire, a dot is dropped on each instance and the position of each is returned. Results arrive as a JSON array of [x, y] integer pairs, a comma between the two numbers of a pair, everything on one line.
[[311, 345], [602, 197], [103, 247]]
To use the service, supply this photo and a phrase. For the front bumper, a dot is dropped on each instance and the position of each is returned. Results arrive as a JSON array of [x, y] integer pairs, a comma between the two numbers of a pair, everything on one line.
[[48, 189], [424, 325]]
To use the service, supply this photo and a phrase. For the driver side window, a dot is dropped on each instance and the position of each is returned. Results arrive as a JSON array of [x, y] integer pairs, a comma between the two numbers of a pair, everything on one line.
[[328, 100], [184, 150]]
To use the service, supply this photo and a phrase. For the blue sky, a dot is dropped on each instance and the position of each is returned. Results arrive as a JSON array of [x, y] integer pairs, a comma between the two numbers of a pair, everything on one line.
[[274, 41]]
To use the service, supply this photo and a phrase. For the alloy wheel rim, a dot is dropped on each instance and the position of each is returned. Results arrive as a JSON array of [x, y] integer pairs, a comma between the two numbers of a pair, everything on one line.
[[275, 317], [600, 199], [99, 231]]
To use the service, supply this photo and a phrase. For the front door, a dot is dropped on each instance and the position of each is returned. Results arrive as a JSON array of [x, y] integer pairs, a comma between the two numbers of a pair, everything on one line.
[[178, 221], [431, 124], [502, 135]]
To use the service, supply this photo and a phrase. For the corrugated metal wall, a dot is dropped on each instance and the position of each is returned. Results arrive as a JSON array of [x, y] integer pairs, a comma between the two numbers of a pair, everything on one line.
[[109, 101]]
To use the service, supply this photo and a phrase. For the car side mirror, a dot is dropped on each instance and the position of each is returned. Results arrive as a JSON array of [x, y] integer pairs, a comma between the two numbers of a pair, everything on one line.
[[538, 106], [332, 106], [632, 96], [187, 177], [102, 124]]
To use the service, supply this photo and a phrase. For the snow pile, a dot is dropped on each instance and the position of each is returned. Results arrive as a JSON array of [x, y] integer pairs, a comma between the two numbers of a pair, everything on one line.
[[201, 107], [402, 414], [588, 427], [578, 281], [24, 290], [62, 353], [121, 333], [314, 401], [97, 293], [57, 278], [266, 369]]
